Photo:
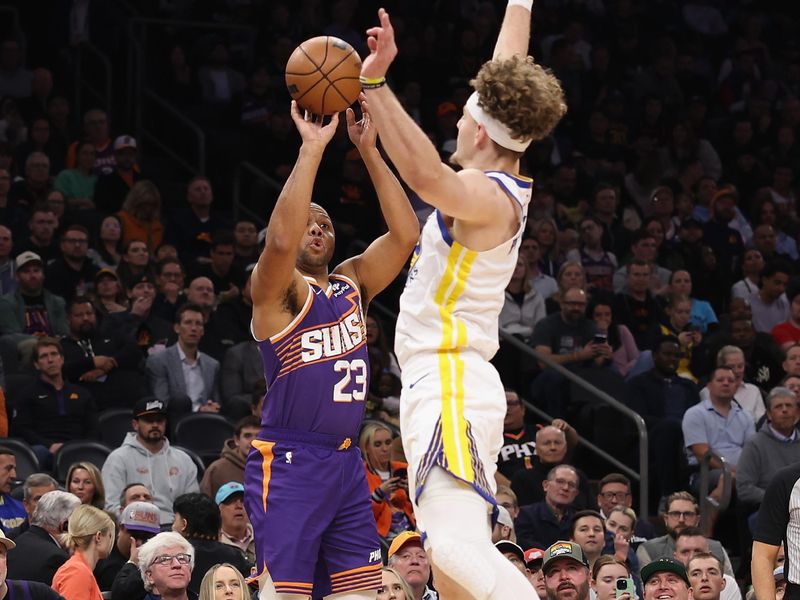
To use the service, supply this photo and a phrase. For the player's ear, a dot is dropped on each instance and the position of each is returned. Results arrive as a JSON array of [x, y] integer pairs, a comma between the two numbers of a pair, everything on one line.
[[481, 137]]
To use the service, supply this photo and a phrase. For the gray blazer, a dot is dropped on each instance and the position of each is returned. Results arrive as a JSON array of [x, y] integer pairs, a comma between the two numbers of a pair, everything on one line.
[[165, 375]]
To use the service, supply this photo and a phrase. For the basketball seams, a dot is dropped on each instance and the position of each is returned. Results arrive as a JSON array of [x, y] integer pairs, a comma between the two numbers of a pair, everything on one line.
[[324, 75]]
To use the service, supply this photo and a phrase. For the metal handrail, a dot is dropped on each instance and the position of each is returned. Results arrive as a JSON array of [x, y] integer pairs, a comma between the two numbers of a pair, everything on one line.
[[103, 96], [727, 486], [237, 189], [199, 134]]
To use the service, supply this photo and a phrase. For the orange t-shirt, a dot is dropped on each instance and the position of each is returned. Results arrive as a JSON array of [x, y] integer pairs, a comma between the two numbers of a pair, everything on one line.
[[75, 581]]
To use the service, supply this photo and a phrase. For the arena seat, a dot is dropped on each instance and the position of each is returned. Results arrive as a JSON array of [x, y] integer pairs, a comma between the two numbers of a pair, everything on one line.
[[113, 425], [204, 433], [198, 462], [79, 451], [27, 463]]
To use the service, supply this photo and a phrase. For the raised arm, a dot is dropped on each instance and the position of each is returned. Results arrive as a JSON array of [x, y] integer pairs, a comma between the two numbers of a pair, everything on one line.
[[385, 257], [467, 195], [515, 32], [275, 275]]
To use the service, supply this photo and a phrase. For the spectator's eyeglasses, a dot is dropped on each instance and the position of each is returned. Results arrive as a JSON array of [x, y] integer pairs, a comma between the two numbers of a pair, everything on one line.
[[166, 559], [614, 495], [676, 514], [566, 483]]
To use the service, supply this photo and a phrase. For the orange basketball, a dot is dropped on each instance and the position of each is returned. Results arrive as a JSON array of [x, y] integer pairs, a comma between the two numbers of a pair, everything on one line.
[[322, 75]]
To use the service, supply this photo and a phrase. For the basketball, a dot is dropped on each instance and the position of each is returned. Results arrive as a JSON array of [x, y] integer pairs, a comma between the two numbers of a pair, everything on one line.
[[322, 75]]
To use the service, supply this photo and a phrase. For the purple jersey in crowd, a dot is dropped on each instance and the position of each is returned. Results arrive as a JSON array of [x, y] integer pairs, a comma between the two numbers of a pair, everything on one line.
[[317, 369]]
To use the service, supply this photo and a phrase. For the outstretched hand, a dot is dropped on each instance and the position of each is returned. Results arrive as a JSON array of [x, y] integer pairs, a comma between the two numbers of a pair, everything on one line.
[[311, 127], [363, 133], [382, 48]]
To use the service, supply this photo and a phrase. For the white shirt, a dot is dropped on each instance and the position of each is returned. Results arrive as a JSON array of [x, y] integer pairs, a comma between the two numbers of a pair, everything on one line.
[[193, 379]]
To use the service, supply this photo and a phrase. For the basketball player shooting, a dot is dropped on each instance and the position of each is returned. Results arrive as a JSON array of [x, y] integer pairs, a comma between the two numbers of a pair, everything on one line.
[[452, 403], [305, 486]]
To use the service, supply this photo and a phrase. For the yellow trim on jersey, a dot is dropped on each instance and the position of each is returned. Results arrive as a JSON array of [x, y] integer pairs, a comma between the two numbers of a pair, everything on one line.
[[451, 366]]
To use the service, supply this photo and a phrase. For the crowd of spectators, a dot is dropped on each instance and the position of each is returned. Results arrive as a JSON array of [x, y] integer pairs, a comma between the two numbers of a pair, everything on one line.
[[659, 262]]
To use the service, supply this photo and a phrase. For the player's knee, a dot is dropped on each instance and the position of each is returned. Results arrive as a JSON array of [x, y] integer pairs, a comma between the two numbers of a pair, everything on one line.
[[464, 564]]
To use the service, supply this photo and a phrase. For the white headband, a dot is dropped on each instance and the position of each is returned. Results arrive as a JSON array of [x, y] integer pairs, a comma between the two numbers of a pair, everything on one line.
[[496, 130]]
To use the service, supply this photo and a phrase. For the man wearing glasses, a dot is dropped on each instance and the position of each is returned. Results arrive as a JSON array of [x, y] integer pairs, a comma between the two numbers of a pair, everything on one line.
[[615, 490], [72, 274], [680, 512], [163, 564], [543, 523]]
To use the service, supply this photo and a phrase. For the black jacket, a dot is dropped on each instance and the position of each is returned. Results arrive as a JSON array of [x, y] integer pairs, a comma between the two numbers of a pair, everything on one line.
[[37, 557], [30, 590]]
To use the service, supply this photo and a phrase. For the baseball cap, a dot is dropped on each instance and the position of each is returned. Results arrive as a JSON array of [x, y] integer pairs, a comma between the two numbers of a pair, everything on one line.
[[228, 490], [106, 272], [407, 537], [533, 558], [9, 544], [141, 278], [562, 549], [141, 516], [504, 517], [27, 257], [724, 192], [661, 565], [778, 574], [510, 547], [124, 141], [149, 405]]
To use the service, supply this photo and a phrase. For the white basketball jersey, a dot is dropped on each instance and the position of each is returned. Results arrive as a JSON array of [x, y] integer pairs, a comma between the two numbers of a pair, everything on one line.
[[453, 295]]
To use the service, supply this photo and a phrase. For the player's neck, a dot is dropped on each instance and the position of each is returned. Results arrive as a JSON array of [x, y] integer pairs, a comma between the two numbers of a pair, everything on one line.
[[490, 161], [320, 276]]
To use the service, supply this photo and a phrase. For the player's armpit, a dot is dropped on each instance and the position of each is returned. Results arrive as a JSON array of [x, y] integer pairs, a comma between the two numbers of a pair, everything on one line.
[[277, 305], [468, 195]]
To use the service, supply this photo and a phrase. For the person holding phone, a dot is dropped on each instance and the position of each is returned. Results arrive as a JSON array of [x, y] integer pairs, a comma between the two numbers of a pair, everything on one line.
[[611, 579], [678, 324], [387, 480]]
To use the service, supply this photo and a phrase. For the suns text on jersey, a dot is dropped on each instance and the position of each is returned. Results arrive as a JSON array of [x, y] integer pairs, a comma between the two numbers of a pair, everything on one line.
[[332, 340]]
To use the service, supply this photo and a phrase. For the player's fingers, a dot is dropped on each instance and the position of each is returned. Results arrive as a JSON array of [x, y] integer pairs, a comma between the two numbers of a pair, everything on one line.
[[350, 117], [372, 44], [374, 31]]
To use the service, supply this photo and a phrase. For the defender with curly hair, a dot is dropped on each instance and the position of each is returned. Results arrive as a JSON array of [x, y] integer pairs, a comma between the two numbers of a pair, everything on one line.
[[453, 404]]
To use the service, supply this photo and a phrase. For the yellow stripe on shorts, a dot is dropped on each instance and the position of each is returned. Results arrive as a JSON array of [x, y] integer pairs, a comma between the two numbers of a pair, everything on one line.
[[451, 366]]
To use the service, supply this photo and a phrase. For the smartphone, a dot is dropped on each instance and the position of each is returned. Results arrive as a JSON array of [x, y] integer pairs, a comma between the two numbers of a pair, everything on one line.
[[599, 338], [401, 473], [625, 586]]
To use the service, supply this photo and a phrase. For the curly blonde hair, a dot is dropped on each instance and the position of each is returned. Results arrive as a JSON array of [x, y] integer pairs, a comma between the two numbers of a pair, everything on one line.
[[524, 96]]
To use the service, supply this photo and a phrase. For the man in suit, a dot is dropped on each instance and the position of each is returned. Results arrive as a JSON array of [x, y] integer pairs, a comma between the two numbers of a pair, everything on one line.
[[182, 377], [38, 554], [242, 379]]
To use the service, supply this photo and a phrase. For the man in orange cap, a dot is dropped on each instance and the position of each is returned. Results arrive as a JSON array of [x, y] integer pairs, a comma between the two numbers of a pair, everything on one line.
[[409, 558]]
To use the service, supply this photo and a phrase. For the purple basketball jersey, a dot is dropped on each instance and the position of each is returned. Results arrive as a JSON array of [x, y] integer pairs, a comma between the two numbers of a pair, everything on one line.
[[317, 369]]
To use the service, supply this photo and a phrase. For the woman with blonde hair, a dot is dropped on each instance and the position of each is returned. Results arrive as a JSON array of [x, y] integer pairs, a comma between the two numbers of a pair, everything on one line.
[[387, 480], [90, 537], [141, 215], [393, 586], [223, 582], [85, 481], [570, 274], [546, 233]]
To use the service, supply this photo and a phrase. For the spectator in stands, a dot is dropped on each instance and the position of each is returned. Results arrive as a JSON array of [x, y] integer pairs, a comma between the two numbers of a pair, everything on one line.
[[53, 411], [12, 512], [636, 308], [134, 492], [230, 322], [85, 481], [111, 189], [621, 521], [42, 225], [551, 450], [570, 274], [690, 543], [191, 228], [546, 233], [661, 397], [387, 480], [73, 273], [604, 204], [791, 361], [566, 572], [171, 475], [31, 310], [607, 570], [393, 586], [224, 580], [761, 354], [40, 551], [230, 466], [506, 498], [717, 424], [95, 130], [170, 295], [702, 314], [138, 323], [39, 141], [135, 262], [752, 265], [407, 556], [718, 232], [644, 249], [78, 184], [246, 247], [677, 325], [35, 486], [543, 523], [787, 333], [183, 378], [141, 215], [588, 531], [747, 395], [108, 366], [769, 305], [109, 296], [765, 241], [598, 263], [90, 537], [8, 283], [166, 567], [108, 250], [708, 581], [665, 577], [774, 446], [504, 527], [514, 554], [544, 284], [614, 490], [33, 189], [220, 83], [235, 528], [680, 512], [138, 522], [619, 337], [227, 278], [242, 380], [197, 519], [15, 79], [523, 306]]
